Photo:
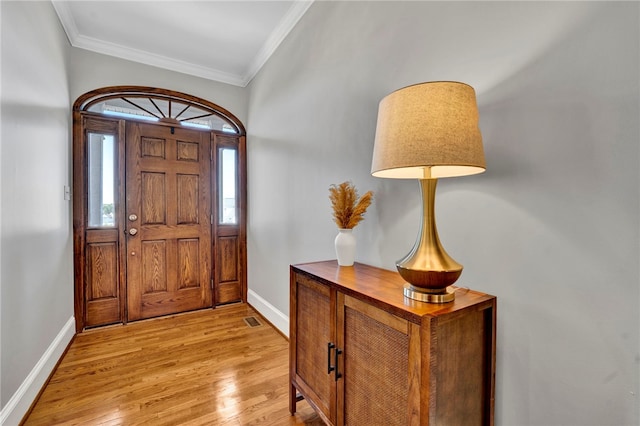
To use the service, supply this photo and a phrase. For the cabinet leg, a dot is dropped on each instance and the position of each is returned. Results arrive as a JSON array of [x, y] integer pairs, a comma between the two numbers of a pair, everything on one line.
[[293, 399]]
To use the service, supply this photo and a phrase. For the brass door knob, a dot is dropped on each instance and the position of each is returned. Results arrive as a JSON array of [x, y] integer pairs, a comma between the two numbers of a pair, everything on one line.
[[133, 231]]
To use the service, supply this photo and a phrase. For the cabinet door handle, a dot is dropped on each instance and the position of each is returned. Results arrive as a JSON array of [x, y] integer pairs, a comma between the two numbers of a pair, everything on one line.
[[338, 375], [330, 368]]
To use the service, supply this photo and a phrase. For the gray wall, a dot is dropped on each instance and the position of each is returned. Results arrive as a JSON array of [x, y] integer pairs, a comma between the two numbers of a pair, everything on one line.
[[551, 228], [36, 280]]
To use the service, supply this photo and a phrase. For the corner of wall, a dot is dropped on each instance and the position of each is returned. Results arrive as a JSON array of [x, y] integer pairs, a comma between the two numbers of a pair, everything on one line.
[[266, 309]]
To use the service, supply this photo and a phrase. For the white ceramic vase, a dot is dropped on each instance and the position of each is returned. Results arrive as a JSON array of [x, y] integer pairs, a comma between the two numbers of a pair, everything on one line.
[[345, 247]]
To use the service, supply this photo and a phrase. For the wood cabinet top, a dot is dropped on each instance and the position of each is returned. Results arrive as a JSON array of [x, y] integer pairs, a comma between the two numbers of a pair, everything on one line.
[[384, 289]]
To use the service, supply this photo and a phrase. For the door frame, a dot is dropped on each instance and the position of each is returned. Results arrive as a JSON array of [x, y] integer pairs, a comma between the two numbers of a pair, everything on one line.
[[85, 120]]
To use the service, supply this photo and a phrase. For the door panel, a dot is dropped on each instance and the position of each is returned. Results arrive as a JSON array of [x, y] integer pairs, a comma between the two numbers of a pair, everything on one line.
[[168, 220], [102, 291], [97, 228], [229, 245], [227, 270]]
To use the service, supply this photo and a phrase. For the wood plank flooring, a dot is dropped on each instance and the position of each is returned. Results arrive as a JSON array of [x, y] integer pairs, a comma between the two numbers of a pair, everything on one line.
[[200, 368]]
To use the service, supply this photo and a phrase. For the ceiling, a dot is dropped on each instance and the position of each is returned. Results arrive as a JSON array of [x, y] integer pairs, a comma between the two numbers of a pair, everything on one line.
[[226, 41]]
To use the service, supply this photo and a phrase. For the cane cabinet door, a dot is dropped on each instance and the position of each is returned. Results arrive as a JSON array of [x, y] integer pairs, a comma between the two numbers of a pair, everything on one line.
[[313, 322], [376, 373]]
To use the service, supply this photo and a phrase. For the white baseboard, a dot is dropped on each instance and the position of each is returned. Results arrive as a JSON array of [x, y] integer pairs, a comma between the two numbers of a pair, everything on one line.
[[20, 402], [266, 309]]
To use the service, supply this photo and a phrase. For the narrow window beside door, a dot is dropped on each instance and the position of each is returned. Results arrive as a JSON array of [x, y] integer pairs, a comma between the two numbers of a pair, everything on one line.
[[228, 203], [101, 174]]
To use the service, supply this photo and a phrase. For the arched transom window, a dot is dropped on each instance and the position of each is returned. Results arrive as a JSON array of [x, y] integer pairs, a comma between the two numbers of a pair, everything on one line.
[[150, 104]]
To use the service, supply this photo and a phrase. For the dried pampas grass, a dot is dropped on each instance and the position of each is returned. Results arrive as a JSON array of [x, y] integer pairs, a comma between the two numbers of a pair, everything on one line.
[[348, 210]]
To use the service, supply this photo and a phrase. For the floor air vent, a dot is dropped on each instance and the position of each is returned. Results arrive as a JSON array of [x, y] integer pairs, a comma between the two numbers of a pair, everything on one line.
[[252, 322]]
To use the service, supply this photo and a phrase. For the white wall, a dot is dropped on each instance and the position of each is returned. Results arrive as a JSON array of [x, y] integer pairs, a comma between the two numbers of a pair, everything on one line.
[[35, 233], [552, 227]]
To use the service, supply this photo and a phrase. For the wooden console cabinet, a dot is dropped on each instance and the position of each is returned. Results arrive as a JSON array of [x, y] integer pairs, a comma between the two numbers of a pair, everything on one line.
[[362, 354]]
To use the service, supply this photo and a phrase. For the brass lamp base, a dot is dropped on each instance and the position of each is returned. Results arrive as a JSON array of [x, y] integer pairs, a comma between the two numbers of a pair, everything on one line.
[[416, 293], [428, 268]]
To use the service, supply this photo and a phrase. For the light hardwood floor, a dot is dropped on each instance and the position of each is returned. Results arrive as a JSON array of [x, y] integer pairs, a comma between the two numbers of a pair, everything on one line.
[[200, 368]]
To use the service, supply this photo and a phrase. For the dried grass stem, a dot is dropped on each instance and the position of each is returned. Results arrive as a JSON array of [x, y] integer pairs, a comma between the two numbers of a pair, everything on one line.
[[348, 210]]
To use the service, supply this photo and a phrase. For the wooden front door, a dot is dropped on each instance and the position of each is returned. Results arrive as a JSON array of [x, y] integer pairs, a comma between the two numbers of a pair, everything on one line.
[[159, 208], [167, 220]]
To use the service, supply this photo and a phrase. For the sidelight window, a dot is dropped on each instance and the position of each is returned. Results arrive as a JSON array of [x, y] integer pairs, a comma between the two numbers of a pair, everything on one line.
[[228, 202], [101, 180]]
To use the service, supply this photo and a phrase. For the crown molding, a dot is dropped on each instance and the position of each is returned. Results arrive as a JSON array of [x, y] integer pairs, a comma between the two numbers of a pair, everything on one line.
[[159, 61], [66, 19], [291, 18], [297, 10]]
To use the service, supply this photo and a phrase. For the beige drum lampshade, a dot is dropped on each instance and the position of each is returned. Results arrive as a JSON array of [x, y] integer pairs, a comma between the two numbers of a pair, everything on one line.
[[428, 131]]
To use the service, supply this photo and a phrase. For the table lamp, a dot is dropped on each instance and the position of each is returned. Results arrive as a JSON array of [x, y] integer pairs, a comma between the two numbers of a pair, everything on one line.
[[428, 131]]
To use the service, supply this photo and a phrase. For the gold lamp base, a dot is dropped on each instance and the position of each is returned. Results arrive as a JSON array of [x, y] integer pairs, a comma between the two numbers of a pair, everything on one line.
[[428, 268], [416, 293]]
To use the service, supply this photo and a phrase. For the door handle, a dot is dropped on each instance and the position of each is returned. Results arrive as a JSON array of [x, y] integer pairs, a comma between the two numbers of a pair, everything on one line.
[[330, 368], [133, 217], [133, 231], [338, 375]]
